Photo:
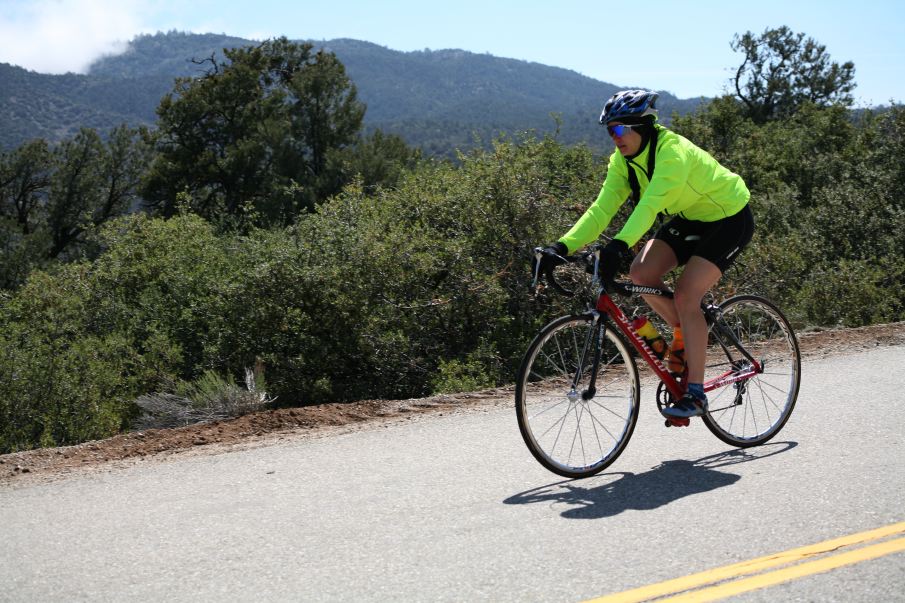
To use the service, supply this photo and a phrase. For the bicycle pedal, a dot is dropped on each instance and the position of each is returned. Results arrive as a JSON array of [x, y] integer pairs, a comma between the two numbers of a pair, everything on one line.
[[678, 422]]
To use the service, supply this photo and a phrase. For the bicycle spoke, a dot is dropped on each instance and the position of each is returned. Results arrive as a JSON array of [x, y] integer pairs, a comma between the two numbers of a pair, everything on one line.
[[558, 422], [562, 423], [534, 416], [767, 398], [594, 423], [722, 409], [787, 374], [581, 434], [750, 407], [576, 435], [767, 409], [604, 427], [778, 389], [732, 418], [562, 359], [609, 410]]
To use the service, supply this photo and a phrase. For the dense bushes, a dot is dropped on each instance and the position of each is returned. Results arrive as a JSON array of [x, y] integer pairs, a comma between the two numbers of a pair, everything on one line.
[[393, 294], [423, 287], [77, 346], [829, 198]]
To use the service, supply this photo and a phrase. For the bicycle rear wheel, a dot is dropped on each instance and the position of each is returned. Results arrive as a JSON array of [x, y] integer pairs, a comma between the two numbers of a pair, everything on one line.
[[751, 412], [570, 429]]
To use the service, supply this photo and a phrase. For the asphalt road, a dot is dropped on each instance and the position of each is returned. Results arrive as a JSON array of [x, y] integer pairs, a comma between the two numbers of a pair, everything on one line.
[[454, 508]]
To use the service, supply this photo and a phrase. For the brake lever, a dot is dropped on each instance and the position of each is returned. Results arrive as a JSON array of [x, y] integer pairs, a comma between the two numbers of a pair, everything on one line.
[[551, 280], [538, 254], [596, 255]]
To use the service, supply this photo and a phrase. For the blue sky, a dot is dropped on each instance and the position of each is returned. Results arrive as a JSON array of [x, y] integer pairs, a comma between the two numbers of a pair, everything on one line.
[[680, 47]]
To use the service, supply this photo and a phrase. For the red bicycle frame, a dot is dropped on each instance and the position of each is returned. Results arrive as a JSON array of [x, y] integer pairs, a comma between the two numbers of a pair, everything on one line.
[[606, 305]]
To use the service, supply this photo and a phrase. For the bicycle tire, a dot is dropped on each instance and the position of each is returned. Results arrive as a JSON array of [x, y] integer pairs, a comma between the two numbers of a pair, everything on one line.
[[752, 412], [567, 434]]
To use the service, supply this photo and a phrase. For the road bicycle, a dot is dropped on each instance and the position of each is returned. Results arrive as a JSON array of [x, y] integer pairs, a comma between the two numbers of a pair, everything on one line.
[[578, 387]]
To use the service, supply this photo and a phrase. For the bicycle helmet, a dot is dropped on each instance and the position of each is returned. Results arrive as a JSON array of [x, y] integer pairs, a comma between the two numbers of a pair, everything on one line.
[[630, 106]]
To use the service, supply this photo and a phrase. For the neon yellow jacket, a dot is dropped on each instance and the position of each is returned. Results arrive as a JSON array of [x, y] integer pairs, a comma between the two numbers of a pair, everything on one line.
[[687, 182]]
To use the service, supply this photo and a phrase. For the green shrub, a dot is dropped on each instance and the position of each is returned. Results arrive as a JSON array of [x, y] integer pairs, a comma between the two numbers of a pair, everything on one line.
[[479, 370], [852, 294], [208, 398], [58, 383], [423, 287], [80, 344]]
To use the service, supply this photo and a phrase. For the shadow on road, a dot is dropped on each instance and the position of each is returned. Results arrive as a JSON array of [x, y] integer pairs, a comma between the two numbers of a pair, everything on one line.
[[609, 494]]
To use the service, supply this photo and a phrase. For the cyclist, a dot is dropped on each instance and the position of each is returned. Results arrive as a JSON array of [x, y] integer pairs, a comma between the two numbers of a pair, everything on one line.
[[710, 222]]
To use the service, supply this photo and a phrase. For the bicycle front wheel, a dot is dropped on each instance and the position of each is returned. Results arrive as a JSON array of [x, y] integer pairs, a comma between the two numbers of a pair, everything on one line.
[[576, 422], [751, 412]]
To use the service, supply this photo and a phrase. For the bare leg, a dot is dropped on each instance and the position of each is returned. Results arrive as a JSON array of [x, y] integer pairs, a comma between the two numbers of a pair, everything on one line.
[[697, 278], [655, 260]]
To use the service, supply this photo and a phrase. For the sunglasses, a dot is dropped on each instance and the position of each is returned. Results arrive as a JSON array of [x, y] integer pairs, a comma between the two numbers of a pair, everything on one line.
[[620, 129]]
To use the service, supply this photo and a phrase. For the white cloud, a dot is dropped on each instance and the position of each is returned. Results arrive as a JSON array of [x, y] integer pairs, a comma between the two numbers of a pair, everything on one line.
[[58, 36]]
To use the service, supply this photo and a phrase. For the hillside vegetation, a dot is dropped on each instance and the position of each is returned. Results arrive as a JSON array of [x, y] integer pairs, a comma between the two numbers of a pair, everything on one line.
[[435, 100], [254, 236]]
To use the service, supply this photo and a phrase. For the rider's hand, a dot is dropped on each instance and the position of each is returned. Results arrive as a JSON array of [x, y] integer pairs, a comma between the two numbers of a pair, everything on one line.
[[548, 261], [612, 258]]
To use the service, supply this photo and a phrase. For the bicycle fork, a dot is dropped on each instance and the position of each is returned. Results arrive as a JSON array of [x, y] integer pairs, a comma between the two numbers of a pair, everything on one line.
[[593, 343]]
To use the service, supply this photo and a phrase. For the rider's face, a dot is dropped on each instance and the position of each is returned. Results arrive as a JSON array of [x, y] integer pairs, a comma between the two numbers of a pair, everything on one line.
[[629, 143]]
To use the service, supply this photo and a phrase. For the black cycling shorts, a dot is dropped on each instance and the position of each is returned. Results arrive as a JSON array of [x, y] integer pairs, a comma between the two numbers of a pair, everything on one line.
[[720, 241]]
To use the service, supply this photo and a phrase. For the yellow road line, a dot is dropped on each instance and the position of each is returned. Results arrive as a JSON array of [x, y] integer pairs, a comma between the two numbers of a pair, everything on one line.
[[779, 576], [752, 566]]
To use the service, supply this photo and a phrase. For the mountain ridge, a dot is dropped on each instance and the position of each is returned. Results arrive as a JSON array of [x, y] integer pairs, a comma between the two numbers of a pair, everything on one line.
[[438, 100]]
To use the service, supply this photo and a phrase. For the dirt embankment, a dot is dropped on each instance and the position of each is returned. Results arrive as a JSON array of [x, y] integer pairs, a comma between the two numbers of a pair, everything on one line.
[[322, 419]]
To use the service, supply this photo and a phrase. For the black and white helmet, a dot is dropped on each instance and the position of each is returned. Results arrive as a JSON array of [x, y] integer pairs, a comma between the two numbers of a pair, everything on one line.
[[632, 104]]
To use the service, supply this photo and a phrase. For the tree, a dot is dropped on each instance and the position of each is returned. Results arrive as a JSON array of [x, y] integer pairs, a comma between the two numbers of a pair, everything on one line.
[[326, 116], [24, 177], [92, 182], [380, 159], [51, 197], [783, 69], [255, 136]]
